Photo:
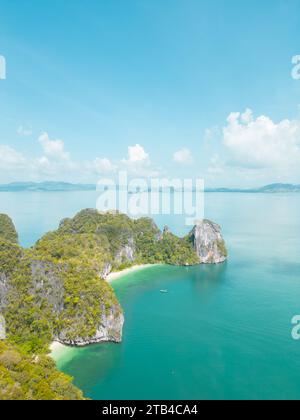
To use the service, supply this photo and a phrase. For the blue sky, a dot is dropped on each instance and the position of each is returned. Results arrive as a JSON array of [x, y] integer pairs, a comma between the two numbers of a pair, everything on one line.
[[151, 86]]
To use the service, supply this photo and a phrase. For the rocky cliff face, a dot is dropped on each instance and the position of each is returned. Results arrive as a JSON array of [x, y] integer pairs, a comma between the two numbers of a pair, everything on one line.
[[126, 254], [207, 240], [3, 290], [109, 330], [53, 291], [56, 290], [48, 283], [2, 328], [106, 270]]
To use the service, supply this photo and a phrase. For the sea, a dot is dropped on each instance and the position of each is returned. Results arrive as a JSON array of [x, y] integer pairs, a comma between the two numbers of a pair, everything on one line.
[[220, 332]]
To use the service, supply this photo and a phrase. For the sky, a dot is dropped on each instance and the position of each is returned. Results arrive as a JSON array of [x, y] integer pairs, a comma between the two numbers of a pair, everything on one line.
[[160, 88]]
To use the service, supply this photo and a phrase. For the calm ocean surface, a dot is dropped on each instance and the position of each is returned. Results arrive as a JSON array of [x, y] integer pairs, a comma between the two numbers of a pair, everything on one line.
[[221, 331]]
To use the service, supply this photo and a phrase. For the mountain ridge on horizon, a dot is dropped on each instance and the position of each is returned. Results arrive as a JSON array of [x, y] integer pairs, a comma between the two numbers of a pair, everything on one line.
[[55, 186]]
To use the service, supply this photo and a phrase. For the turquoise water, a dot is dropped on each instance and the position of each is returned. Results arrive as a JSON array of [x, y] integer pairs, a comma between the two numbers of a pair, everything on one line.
[[222, 332]]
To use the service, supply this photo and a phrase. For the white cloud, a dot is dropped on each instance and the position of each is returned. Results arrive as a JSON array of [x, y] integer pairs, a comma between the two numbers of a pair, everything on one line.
[[183, 156], [260, 143], [104, 165], [55, 163], [136, 155], [46, 168], [138, 162], [54, 149], [10, 158]]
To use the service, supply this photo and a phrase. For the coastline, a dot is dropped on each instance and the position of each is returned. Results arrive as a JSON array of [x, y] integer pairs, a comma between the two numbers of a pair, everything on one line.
[[58, 351], [118, 274], [55, 346]]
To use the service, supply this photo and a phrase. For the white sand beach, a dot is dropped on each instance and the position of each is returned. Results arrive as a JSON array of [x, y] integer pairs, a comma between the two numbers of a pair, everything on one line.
[[116, 275], [58, 351], [57, 347]]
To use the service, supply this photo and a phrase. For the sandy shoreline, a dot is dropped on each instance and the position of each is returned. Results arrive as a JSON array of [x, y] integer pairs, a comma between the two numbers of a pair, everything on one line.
[[118, 274], [55, 346], [57, 350]]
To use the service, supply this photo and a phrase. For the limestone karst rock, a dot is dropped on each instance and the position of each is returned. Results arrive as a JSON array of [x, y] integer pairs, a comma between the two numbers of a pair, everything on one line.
[[206, 238], [2, 328]]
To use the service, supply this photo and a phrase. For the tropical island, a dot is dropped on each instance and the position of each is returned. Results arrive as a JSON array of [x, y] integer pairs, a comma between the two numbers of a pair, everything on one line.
[[57, 290]]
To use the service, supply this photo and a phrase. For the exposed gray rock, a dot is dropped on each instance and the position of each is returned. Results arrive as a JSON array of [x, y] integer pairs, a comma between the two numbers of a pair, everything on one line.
[[2, 328], [3, 290], [109, 330], [208, 242], [167, 230], [106, 271], [47, 284], [126, 253]]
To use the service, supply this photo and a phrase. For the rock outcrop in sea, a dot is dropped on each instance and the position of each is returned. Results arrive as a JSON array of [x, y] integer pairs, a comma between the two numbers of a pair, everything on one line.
[[207, 240], [109, 330]]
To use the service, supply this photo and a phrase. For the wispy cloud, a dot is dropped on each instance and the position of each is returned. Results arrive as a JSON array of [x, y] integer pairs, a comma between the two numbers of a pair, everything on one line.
[[183, 157], [260, 142], [54, 149], [54, 162]]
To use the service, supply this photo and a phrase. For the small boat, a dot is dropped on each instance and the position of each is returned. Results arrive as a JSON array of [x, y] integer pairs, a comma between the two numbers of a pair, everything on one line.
[[163, 291]]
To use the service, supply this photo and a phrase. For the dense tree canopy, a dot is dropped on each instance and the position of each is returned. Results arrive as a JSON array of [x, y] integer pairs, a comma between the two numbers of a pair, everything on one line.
[[58, 286]]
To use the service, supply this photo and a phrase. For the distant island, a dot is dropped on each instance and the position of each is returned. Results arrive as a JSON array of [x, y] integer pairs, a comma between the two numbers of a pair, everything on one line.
[[46, 186], [52, 186], [267, 189]]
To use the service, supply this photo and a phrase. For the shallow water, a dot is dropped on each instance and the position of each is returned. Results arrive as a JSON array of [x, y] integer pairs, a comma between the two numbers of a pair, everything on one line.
[[220, 331]]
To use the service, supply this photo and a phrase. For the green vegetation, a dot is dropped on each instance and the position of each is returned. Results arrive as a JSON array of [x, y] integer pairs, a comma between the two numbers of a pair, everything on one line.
[[87, 250], [56, 290], [166, 248], [113, 229], [31, 323], [29, 315], [24, 377], [86, 300], [111, 233], [7, 229], [10, 256], [222, 248], [177, 251]]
